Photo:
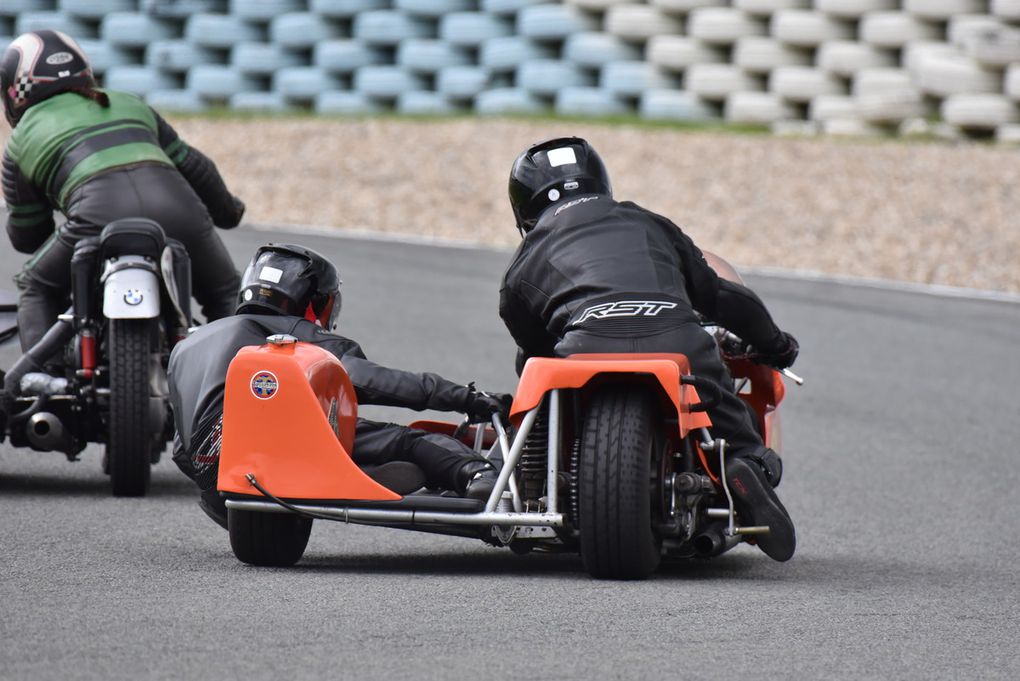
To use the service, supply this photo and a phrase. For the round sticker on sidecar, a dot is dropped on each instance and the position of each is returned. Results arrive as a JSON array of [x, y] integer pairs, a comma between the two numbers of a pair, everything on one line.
[[264, 385]]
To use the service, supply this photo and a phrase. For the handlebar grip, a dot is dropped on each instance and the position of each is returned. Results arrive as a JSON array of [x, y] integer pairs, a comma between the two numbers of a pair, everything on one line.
[[709, 392]]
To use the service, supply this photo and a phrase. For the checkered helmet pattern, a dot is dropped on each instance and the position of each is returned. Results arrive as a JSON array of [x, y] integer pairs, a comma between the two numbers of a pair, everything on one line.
[[38, 65]]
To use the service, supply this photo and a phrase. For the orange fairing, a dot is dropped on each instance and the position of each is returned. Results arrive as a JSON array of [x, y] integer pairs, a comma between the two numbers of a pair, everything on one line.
[[279, 411], [543, 374], [765, 394]]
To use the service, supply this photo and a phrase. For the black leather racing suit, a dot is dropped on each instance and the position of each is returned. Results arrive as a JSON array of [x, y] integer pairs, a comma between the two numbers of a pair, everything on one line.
[[197, 375], [595, 275]]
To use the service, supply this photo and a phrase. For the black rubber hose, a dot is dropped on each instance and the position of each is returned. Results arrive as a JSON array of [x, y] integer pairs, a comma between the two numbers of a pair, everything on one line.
[[36, 357]]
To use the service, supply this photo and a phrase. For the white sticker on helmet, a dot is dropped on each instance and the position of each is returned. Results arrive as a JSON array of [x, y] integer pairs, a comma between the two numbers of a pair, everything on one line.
[[561, 156], [554, 194], [59, 58], [271, 274]]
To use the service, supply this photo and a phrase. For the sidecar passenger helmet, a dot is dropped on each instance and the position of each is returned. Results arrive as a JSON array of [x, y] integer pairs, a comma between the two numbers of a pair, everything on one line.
[[291, 280], [37, 66], [553, 171]]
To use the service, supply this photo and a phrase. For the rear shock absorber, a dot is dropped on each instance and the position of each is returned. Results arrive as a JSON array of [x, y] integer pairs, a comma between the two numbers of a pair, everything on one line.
[[532, 465]]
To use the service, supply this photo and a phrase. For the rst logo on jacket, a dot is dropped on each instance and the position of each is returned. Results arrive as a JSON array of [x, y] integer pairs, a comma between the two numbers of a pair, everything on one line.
[[625, 308]]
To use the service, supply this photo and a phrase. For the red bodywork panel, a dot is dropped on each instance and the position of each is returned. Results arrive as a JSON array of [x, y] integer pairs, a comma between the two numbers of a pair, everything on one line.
[[542, 374], [286, 438]]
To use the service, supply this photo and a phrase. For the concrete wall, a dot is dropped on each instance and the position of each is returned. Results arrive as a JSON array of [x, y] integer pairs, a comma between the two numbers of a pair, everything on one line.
[[838, 66]]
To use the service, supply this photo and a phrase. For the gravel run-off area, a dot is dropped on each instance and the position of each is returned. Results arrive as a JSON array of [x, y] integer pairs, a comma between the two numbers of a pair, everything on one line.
[[929, 212]]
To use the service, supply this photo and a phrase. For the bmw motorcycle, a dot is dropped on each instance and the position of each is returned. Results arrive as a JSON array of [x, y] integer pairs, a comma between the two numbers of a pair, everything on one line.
[[99, 373]]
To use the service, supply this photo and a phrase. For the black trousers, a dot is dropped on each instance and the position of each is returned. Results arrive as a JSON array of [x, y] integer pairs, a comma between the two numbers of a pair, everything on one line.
[[732, 419], [155, 192], [440, 457]]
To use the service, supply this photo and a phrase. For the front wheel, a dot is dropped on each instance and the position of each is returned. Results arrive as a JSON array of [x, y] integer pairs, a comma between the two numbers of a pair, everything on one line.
[[268, 539], [129, 440], [615, 485]]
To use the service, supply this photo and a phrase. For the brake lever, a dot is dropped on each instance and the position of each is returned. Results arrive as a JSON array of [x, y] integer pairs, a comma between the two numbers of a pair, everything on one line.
[[792, 376]]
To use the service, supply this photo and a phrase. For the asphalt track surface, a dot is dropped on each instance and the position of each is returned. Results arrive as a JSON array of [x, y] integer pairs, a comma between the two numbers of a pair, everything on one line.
[[901, 456]]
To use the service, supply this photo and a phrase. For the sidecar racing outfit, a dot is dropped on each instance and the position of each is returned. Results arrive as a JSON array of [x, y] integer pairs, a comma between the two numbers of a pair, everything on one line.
[[603, 276], [197, 376], [98, 156], [593, 275]]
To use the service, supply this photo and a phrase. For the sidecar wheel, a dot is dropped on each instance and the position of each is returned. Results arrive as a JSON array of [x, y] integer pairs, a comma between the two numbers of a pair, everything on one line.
[[268, 539], [614, 490]]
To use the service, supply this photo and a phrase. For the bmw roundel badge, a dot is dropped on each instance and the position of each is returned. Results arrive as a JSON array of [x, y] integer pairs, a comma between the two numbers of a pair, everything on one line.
[[264, 385]]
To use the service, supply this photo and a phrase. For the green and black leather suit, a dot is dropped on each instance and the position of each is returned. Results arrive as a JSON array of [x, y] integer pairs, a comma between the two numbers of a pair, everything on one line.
[[98, 164]]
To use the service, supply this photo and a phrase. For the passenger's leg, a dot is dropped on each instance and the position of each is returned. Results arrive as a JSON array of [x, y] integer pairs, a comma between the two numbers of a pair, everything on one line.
[[446, 462]]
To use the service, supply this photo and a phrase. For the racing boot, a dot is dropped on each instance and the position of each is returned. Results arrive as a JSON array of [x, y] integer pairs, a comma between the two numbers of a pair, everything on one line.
[[476, 479], [757, 503], [214, 506]]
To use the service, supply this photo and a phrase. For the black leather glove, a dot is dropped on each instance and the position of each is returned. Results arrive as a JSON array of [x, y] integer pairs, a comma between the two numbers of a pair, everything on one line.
[[235, 218], [480, 406], [783, 355]]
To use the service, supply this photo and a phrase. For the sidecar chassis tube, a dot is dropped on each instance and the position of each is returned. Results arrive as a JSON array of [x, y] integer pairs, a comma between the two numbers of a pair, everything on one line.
[[373, 515]]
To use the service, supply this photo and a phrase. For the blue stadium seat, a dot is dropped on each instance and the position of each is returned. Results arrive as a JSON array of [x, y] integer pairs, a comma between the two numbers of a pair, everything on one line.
[[131, 29]]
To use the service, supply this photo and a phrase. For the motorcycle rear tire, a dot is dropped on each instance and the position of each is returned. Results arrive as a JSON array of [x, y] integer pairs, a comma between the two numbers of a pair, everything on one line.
[[618, 445], [268, 539], [129, 442]]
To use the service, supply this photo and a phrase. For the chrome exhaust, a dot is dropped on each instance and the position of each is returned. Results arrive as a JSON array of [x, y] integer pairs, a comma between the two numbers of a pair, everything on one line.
[[46, 432], [714, 541]]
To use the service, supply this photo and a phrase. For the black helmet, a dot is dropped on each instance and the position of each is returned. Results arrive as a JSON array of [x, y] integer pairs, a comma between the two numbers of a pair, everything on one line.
[[291, 280], [552, 171], [38, 65]]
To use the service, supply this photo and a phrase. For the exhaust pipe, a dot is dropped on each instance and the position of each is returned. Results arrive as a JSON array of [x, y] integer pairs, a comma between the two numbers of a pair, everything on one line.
[[714, 541], [45, 432]]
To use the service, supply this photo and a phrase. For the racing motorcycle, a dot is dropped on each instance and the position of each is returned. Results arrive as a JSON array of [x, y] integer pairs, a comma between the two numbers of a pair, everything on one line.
[[607, 455], [99, 373]]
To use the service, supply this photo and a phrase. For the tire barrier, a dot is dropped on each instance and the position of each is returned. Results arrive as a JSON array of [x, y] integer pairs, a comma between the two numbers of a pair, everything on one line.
[[849, 66], [183, 101], [219, 82], [423, 55], [263, 59], [589, 102], [174, 56]]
